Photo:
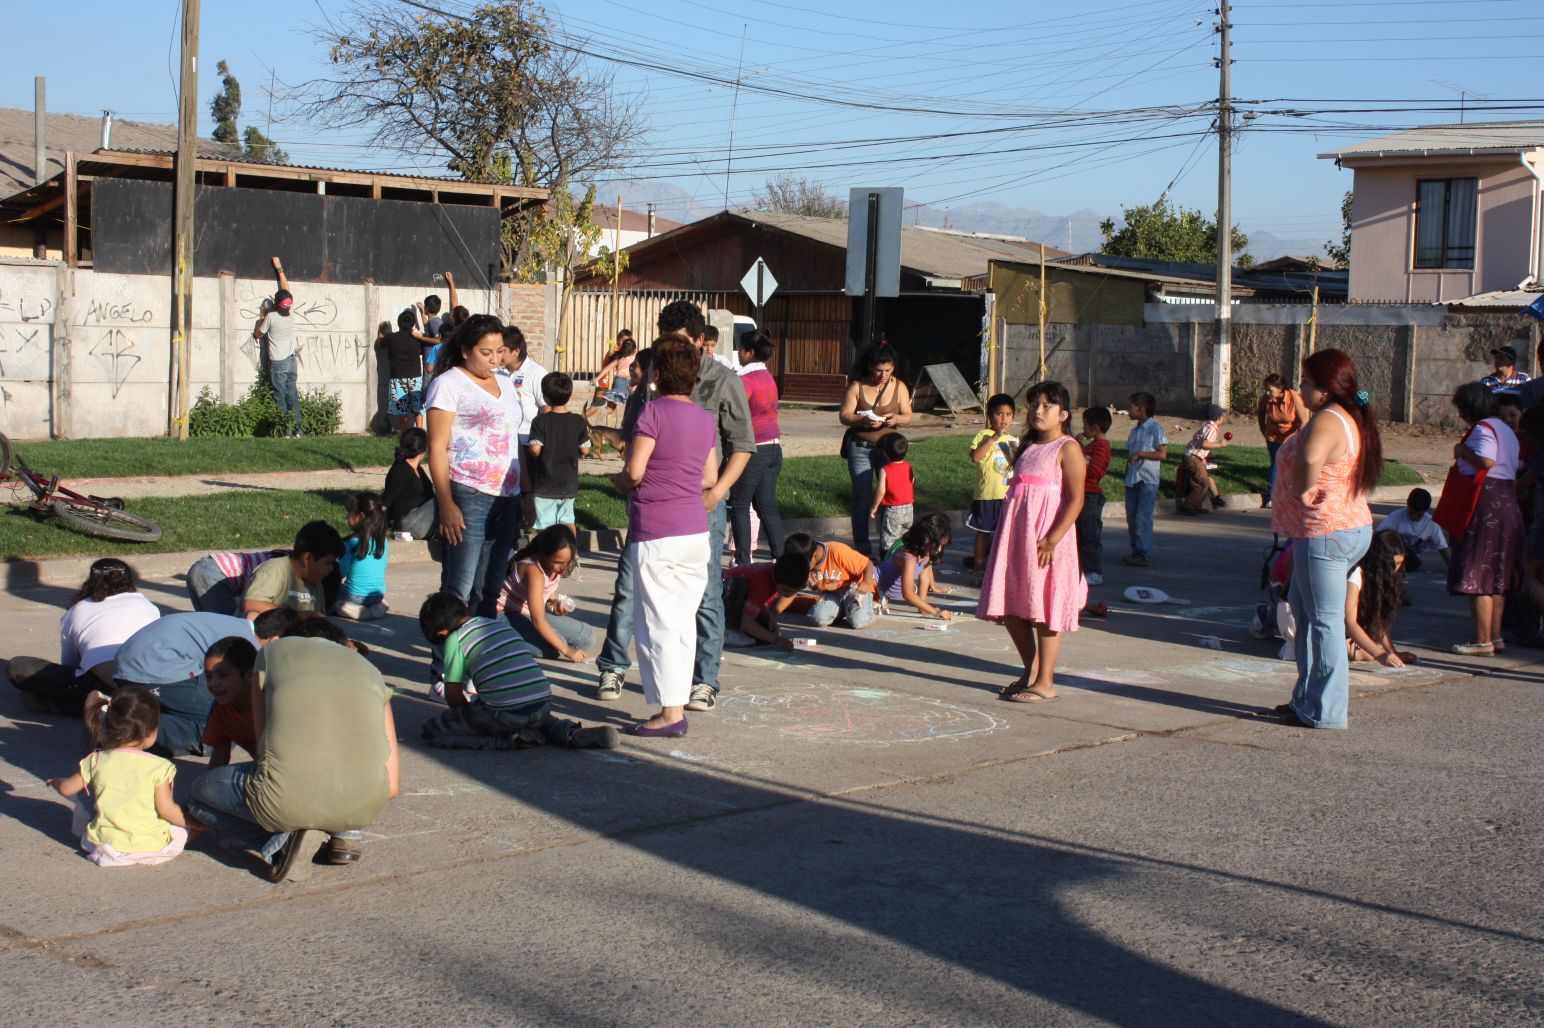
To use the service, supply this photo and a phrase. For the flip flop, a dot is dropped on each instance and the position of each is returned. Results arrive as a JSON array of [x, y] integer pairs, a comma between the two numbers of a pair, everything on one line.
[[1013, 688], [1027, 696]]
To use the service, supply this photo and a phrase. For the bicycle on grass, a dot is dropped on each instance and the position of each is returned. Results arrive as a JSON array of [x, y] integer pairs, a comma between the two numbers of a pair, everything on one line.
[[102, 516]]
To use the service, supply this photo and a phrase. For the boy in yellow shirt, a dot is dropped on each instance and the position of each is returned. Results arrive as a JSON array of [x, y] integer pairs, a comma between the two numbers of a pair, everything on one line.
[[992, 451]]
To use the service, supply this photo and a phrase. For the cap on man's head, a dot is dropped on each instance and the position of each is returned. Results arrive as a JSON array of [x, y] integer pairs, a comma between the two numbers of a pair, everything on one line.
[[1214, 412], [1507, 352]]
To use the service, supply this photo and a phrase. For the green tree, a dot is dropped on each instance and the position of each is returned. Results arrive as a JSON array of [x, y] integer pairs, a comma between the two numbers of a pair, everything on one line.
[[560, 239], [487, 90], [1160, 232], [1341, 255], [225, 108], [791, 194], [258, 147]]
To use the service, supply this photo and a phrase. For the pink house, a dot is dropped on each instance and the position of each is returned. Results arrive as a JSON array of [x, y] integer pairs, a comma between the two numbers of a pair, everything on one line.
[[1443, 212]]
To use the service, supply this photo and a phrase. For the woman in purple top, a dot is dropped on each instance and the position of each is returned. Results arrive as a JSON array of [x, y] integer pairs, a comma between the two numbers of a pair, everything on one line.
[[757, 486], [670, 462]]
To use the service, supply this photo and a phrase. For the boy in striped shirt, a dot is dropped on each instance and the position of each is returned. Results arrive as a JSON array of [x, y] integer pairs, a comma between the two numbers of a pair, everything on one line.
[[512, 707]]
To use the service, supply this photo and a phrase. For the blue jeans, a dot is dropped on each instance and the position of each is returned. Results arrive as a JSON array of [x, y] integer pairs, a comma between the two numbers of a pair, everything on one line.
[[863, 459], [574, 633], [1320, 565], [219, 799], [757, 487], [710, 612], [184, 714], [476, 566], [1091, 534], [855, 608], [1141, 502], [283, 375], [1270, 477]]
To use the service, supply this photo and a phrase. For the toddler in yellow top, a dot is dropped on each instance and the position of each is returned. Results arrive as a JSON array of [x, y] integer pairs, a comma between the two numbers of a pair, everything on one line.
[[992, 450], [128, 816]]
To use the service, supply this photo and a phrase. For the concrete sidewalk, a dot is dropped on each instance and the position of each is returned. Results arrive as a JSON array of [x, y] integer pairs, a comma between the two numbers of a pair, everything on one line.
[[863, 834]]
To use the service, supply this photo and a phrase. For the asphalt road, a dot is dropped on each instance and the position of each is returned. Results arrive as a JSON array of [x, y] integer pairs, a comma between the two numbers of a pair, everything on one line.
[[863, 834]]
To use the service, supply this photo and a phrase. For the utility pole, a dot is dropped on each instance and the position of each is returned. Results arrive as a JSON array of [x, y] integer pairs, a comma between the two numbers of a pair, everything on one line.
[[1222, 353], [39, 132], [182, 257]]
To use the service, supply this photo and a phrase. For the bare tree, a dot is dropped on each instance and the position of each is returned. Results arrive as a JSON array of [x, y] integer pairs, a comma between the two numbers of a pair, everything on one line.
[[492, 92], [790, 194]]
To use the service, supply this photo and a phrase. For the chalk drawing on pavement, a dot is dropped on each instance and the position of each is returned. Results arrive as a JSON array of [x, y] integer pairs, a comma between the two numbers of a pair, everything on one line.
[[824, 712]]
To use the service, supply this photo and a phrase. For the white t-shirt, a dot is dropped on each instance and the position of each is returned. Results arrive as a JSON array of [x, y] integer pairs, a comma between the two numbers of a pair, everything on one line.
[[527, 382], [1417, 536], [280, 331], [1494, 440], [484, 441], [91, 631]]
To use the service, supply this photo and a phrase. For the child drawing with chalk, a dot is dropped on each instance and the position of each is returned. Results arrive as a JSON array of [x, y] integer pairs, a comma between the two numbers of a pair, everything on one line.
[[907, 574], [1033, 585]]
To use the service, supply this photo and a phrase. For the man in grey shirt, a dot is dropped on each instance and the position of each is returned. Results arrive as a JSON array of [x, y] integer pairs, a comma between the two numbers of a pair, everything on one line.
[[720, 393], [279, 327]]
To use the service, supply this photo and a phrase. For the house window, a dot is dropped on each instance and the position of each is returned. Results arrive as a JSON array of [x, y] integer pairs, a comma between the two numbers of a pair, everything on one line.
[[1445, 216]]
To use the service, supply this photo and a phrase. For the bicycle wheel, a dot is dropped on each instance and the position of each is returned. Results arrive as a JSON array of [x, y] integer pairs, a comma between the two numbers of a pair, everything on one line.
[[94, 519]]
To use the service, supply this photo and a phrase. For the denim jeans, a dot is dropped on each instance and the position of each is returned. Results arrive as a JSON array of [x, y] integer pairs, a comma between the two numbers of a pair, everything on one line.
[[476, 566], [184, 714], [619, 626], [574, 633], [219, 799], [1270, 477], [1091, 534], [1141, 502], [855, 608], [863, 460], [477, 726], [1320, 565], [283, 374], [757, 487], [710, 611], [210, 591]]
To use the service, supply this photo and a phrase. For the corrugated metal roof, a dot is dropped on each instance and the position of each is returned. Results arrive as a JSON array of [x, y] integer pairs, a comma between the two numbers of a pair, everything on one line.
[[63, 133], [930, 252], [1516, 299], [238, 157], [1498, 137]]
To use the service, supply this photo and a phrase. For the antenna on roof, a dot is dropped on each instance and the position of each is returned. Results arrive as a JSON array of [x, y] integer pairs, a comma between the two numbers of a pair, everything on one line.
[[1463, 94]]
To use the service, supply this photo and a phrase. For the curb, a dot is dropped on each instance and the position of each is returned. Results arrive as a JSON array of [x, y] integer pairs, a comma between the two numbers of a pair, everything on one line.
[[69, 572]]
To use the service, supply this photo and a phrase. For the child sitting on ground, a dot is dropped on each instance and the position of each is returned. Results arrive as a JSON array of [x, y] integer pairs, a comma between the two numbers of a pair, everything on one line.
[[535, 572], [991, 450], [1032, 582], [1198, 483], [362, 596], [128, 816], [907, 574], [228, 673], [1417, 529], [512, 708], [217, 581], [893, 492], [295, 581], [558, 439], [1096, 453], [750, 592], [842, 576]]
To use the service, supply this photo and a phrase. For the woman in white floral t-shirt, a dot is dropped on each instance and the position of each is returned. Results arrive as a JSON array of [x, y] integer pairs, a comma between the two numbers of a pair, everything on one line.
[[474, 461]]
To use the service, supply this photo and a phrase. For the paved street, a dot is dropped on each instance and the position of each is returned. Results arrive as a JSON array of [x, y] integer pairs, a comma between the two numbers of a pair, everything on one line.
[[863, 834]]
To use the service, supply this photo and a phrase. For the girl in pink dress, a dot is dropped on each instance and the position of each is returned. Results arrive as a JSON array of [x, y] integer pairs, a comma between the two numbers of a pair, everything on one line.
[[1032, 583]]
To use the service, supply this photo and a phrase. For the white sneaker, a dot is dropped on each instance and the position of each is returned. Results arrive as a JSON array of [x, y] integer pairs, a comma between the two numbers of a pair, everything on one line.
[[703, 698], [737, 639], [1094, 578]]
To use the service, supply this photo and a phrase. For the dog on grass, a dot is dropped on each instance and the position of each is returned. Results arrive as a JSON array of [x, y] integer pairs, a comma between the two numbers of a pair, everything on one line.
[[602, 437]]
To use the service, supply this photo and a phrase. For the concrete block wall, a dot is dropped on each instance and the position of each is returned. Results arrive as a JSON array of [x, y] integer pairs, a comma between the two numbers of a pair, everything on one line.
[[85, 354], [1409, 358]]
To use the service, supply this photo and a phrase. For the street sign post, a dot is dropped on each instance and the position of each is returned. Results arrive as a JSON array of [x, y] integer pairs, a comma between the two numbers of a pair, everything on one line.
[[874, 249], [759, 285]]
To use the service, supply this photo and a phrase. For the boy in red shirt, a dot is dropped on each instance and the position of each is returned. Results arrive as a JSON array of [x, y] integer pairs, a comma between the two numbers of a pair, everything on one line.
[[228, 670], [893, 492], [1096, 452], [750, 591]]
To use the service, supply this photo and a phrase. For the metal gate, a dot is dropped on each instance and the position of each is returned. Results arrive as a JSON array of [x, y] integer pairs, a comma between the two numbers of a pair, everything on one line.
[[590, 324]]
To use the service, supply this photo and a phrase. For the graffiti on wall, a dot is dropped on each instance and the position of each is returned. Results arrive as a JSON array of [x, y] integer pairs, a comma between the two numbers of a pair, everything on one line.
[[115, 351]]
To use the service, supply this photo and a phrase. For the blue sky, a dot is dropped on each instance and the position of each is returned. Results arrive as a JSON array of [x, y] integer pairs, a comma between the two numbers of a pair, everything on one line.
[[1007, 67]]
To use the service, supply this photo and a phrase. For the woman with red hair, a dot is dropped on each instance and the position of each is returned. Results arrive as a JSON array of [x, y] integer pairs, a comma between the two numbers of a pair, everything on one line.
[[1324, 473]]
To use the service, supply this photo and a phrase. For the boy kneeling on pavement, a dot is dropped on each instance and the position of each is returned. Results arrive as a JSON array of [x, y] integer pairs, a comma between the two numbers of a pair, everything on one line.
[[512, 706]]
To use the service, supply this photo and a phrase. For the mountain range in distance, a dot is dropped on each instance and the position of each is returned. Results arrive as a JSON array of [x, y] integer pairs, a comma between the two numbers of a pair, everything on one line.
[[1077, 232]]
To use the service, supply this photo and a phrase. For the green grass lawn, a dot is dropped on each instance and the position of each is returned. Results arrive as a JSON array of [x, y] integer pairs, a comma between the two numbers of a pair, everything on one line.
[[105, 458], [248, 519]]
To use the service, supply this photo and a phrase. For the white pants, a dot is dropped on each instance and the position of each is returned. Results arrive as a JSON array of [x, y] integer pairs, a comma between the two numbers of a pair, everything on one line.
[[671, 575]]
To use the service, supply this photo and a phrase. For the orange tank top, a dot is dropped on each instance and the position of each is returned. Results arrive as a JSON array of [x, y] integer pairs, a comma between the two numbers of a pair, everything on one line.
[[1281, 417], [1339, 502]]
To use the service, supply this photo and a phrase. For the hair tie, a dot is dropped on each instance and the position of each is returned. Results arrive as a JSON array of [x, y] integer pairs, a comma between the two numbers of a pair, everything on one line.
[[1362, 397]]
